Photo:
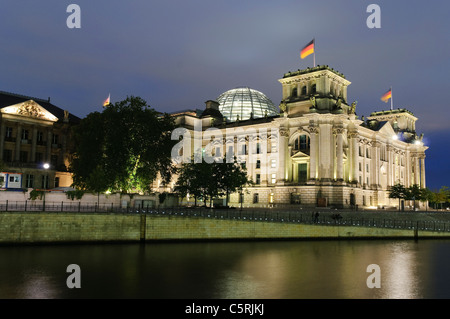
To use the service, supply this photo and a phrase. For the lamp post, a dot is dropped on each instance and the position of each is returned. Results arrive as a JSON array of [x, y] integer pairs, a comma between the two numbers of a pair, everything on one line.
[[46, 166]]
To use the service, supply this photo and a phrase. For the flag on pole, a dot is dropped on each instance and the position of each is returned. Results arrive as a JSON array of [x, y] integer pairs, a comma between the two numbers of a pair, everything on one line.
[[307, 50], [106, 102], [386, 96]]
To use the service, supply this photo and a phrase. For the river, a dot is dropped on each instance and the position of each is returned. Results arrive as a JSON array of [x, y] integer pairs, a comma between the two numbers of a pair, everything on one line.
[[225, 270]]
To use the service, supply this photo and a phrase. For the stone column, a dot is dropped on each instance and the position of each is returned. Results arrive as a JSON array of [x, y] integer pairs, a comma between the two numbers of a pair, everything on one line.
[[374, 164], [33, 144], [2, 139], [49, 145], [422, 171], [18, 141], [354, 155], [416, 170], [389, 172], [313, 130], [338, 131], [325, 153], [282, 141]]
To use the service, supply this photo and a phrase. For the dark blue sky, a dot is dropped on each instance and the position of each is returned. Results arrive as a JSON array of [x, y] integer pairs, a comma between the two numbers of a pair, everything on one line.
[[178, 54]]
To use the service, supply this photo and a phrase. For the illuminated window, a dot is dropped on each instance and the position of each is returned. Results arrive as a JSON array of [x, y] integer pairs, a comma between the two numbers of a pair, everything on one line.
[[274, 178], [273, 163]]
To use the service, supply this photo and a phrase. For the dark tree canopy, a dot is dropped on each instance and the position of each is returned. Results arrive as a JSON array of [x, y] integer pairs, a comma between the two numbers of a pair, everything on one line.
[[123, 148], [208, 181]]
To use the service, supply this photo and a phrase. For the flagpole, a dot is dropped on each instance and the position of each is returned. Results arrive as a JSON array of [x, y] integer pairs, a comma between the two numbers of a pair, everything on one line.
[[392, 100], [314, 53]]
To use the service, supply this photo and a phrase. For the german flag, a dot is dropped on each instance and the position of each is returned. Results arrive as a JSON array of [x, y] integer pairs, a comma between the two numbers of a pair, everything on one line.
[[107, 101], [307, 50], [386, 96]]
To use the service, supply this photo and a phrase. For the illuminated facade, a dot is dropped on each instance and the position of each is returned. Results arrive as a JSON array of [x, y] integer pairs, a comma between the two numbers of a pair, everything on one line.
[[317, 152], [34, 132]]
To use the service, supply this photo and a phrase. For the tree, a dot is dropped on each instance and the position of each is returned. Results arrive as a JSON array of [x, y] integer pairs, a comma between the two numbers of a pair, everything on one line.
[[125, 146], [208, 181], [426, 196], [413, 193], [398, 191], [232, 178]]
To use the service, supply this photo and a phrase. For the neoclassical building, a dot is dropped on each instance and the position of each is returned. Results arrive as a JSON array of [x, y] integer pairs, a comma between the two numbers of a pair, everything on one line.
[[313, 149], [34, 132]]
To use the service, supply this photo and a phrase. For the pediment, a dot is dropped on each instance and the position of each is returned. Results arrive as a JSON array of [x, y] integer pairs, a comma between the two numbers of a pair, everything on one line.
[[387, 129], [29, 109], [299, 154]]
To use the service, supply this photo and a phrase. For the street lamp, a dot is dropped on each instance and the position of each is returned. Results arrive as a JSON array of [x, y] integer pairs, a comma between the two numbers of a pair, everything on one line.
[[46, 167]]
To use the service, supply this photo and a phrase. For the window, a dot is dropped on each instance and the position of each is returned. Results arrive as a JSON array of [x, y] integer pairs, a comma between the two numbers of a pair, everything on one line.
[[23, 156], [255, 198], [243, 149], [44, 182], [258, 148], [55, 139], [304, 90], [367, 180], [29, 182], [258, 164], [258, 179], [7, 155], [271, 197], [302, 143], [313, 89], [273, 147], [367, 153], [360, 151], [24, 134], [40, 137], [367, 168], [274, 178], [360, 180], [56, 181], [294, 92], [8, 132], [39, 157], [360, 167], [54, 160], [273, 163], [218, 152]]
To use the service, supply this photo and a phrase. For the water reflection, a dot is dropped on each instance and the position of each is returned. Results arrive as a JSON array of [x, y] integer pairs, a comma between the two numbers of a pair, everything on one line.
[[276, 270]]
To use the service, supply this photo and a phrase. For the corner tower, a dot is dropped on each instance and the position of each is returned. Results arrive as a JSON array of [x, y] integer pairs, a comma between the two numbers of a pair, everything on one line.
[[314, 90]]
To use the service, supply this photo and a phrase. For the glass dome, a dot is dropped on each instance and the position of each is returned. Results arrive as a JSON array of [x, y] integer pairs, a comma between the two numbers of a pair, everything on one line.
[[244, 101]]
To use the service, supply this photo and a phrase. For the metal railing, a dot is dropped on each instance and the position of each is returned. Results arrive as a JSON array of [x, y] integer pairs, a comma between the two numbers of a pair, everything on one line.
[[261, 215]]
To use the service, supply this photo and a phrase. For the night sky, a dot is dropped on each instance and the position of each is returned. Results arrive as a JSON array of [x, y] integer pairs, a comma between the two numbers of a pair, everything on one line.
[[178, 54]]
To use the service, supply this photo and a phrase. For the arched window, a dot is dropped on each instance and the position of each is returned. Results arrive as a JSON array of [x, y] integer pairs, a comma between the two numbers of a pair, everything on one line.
[[294, 92], [302, 143], [313, 89], [304, 90]]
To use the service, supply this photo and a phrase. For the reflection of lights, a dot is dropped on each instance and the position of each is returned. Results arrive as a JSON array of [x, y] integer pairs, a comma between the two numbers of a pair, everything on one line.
[[417, 142], [37, 286], [401, 281]]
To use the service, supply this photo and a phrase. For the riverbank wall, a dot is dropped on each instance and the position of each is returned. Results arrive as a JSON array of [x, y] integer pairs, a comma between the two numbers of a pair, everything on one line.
[[52, 227]]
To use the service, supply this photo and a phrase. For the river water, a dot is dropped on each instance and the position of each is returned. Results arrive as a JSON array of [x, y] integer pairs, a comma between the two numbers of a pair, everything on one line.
[[223, 270]]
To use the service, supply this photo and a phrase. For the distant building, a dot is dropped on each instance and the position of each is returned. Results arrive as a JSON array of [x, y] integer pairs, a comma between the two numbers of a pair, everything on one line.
[[314, 149], [34, 132]]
